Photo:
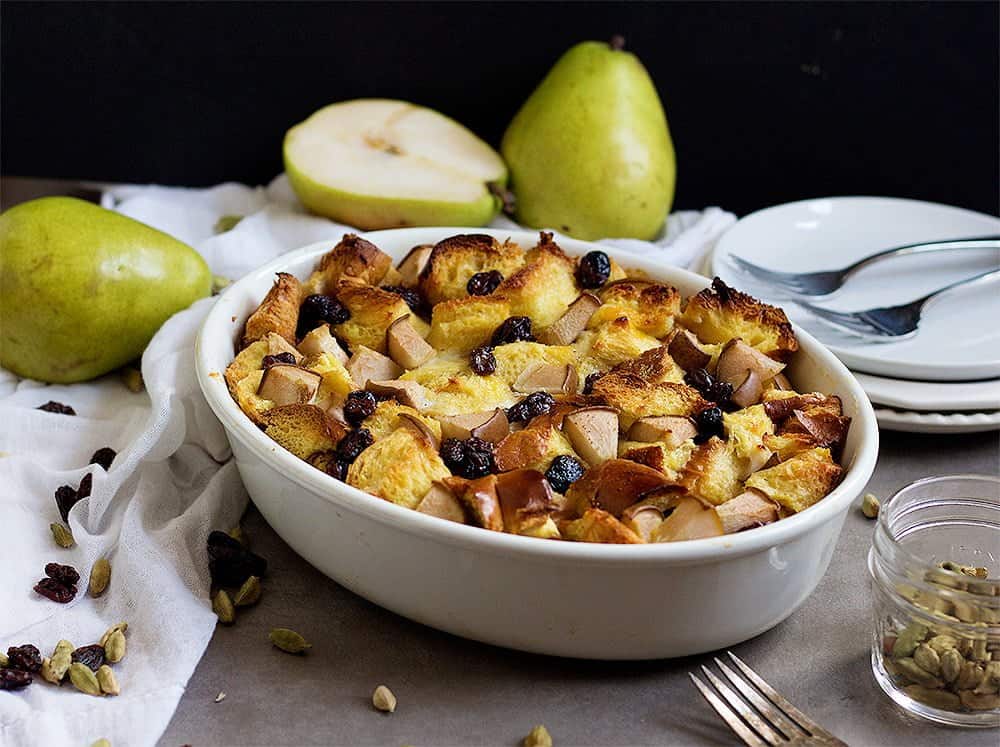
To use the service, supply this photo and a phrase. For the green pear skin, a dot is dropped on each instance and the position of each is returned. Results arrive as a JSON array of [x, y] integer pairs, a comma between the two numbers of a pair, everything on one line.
[[589, 152], [84, 289]]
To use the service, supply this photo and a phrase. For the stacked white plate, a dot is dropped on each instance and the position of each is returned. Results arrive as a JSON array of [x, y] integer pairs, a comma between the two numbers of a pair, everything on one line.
[[943, 379]]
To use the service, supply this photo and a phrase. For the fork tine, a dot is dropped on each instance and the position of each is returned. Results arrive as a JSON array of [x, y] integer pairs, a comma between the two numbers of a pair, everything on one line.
[[848, 321], [749, 714], [789, 728], [794, 713], [743, 731], [787, 280]]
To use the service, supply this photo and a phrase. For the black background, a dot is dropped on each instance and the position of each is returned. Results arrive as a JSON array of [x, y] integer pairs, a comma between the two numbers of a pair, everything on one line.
[[767, 102]]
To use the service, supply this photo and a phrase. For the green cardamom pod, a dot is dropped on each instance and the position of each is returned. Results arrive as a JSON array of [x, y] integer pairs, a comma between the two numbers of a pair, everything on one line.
[[249, 593], [114, 649], [870, 506], [100, 576], [237, 534], [942, 643], [222, 606], [538, 737], [917, 674], [936, 698], [46, 671], [132, 378], [951, 665], [84, 679], [101, 743], [62, 657], [122, 626], [62, 536], [383, 699], [908, 640], [927, 659], [979, 702], [4, 661], [289, 640], [970, 676], [106, 679]]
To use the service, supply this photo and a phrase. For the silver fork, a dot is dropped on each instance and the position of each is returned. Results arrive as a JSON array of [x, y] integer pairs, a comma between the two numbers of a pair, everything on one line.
[[769, 719], [826, 282], [890, 323]]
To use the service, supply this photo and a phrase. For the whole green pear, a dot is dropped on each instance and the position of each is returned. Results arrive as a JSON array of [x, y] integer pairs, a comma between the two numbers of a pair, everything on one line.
[[590, 154], [83, 289]]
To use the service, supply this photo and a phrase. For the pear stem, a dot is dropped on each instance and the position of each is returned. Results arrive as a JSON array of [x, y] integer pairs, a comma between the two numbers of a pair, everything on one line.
[[617, 42]]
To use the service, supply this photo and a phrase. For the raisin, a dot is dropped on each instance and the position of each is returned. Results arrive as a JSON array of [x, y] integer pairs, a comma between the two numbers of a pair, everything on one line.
[[482, 361], [563, 472], [594, 270], [66, 498], [55, 590], [57, 407], [316, 309], [723, 291], [535, 404], [91, 656], [359, 405], [484, 283], [410, 295], [329, 462], [64, 574], [513, 329], [709, 422], [588, 383], [230, 563], [274, 360], [85, 486], [708, 386], [353, 443], [14, 679], [27, 658], [471, 458], [104, 457]]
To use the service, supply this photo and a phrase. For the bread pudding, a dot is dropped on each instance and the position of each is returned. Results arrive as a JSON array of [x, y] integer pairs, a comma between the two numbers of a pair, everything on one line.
[[522, 390]]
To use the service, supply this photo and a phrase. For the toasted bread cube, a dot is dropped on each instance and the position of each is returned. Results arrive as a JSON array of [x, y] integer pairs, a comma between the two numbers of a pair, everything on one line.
[[660, 456], [533, 447], [406, 346], [545, 287], [612, 486], [745, 431], [526, 502], [456, 259], [615, 342], [599, 526], [399, 468], [373, 310], [479, 499], [248, 360], [368, 365], [278, 312], [636, 398], [800, 481], [719, 314], [320, 341], [303, 429], [788, 445], [749, 509], [336, 383], [714, 472], [285, 384], [650, 307], [468, 393], [352, 258], [386, 419], [247, 398], [515, 358], [653, 365], [465, 323]]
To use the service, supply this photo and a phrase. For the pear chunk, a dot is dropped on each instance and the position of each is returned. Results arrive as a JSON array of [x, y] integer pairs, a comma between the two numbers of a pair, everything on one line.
[[690, 519], [408, 393], [405, 344], [320, 341], [285, 384], [749, 509], [593, 432], [367, 364], [737, 358], [526, 500], [414, 263], [686, 351], [489, 426], [441, 502], [672, 430], [553, 378], [568, 327]]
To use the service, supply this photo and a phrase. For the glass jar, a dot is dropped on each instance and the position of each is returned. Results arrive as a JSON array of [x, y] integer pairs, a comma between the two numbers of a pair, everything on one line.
[[935, 566]]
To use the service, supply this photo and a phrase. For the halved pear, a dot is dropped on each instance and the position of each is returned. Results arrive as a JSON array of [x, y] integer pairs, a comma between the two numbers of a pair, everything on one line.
[[381, 163]]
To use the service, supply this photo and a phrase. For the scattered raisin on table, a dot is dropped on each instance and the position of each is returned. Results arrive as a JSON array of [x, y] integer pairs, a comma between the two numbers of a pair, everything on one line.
[[709, 422], [86, 484], [484, 283], [230, 563], [66, 498], [55, 590], [57, 407], [14, 679], [27, 658], [535, 404], [353, 443], [471, 458], [513, 329], [274, 360], [588, 383], [104, 457], [594, 270], [316, 309], [410, 295], [708, 386], [358, 406], [563, 472], [64, 574], [92, 656], [482, 361]]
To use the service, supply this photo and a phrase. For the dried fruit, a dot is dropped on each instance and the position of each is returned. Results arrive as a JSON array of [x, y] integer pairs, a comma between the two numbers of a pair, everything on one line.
[[484, 283], [230, 563], [132, 378], [288, 640], [709, 422], [57, 407], [85, 486], [55, 590], [91, 656], [513, 329], [62, 536], [114, 647], [65, 574], [708, 386], [563, 472], [594, 269], [122, 626], [249, 593], [329, 462], [222, 606], [353, 443], [273, 360], [383, 699], [482, 361], [535, 404], [870, 506], [471, 458], [410, 295], [84, 679], [27, 658], [588, 383], [316, 309], [100, 577], [66, 498], [104, 457], [358, 406], [107, 681], [14, 679]]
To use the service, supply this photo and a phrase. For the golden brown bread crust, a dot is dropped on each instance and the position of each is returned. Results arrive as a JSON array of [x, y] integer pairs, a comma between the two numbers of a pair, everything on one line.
[[612, 486], [544, 287], [799, 481], [653, 365], [599, 526], [303, 429], [399, 468], [372, 311], [278, 312], [720, 314], [352, 258], [248, 360], [635, 398], [533, 447], [462, 324], [713, 472], [456, 259], [651, 307]]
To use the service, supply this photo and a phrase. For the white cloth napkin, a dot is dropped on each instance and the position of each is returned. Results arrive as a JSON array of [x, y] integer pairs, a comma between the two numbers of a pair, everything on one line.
[[171, 483]]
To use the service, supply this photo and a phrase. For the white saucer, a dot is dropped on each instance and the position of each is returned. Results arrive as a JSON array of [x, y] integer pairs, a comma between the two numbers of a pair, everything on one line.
[[931, 396], [935, 422], [959, 337]]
